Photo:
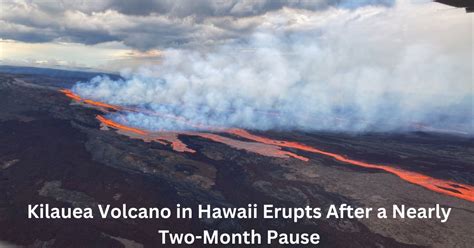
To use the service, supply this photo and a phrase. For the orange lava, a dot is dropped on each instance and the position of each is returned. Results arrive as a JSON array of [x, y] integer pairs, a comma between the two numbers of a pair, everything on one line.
[[178, 145], [172, 139], [77, 98], [101, 104], [255, 147], [162, 138], [71, 95], [107, 106], [447, 187], [268, 147], [116, 125]]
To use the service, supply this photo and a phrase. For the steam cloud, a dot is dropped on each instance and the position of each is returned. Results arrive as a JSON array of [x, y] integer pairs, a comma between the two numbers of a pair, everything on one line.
[[368, 69]]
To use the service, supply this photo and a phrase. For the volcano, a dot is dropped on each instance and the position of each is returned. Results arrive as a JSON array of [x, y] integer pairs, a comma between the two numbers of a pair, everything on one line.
[[60, 149]]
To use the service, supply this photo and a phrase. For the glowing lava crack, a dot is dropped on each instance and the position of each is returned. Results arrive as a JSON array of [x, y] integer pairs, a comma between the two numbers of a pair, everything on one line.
[[263, 146]]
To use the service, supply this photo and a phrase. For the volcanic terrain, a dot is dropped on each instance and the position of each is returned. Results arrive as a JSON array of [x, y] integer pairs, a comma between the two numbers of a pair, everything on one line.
[[61, 149]]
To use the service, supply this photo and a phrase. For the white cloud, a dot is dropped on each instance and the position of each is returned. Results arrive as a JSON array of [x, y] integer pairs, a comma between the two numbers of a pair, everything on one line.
[[372, 68]]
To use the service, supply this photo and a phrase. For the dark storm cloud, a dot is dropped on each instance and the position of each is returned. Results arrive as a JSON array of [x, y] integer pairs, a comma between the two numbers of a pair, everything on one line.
[[147, 24], [206, 8]]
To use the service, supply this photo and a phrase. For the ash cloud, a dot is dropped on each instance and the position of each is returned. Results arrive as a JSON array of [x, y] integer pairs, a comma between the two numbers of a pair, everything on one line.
[[367, 69]]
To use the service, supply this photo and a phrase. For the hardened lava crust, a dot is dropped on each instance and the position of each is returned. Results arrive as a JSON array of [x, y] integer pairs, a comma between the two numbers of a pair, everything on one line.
[[56, 151]]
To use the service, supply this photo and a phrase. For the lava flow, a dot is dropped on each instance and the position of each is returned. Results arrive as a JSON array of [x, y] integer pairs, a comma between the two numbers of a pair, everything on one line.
[[101, 105], [177, 145], [462, 191], [172, 139], [267, 147], [164, 138], [121, 127]]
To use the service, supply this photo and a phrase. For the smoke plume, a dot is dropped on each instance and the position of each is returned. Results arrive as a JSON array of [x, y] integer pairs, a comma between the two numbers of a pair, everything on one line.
[[373, 68]]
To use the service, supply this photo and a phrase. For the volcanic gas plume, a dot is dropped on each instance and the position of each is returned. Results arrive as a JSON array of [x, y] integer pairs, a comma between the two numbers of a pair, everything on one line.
[[262, 145], [369, 69]]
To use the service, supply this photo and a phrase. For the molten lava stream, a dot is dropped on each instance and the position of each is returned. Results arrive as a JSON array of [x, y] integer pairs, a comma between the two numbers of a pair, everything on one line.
[[71, 95], [118, 126], [255, 147], [106, 106], [162, 138], [446, 187], [77, 98], [271, 147]]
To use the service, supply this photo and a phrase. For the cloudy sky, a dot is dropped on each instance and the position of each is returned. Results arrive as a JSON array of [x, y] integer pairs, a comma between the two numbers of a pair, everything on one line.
[[350, 65], [114, 34]]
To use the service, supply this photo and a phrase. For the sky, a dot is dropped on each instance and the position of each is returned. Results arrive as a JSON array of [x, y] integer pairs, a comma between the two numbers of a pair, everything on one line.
[[112, 35], [339, 65]]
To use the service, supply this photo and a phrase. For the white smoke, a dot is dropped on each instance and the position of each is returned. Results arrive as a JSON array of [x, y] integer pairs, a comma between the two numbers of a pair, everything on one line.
[[372, 68]]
